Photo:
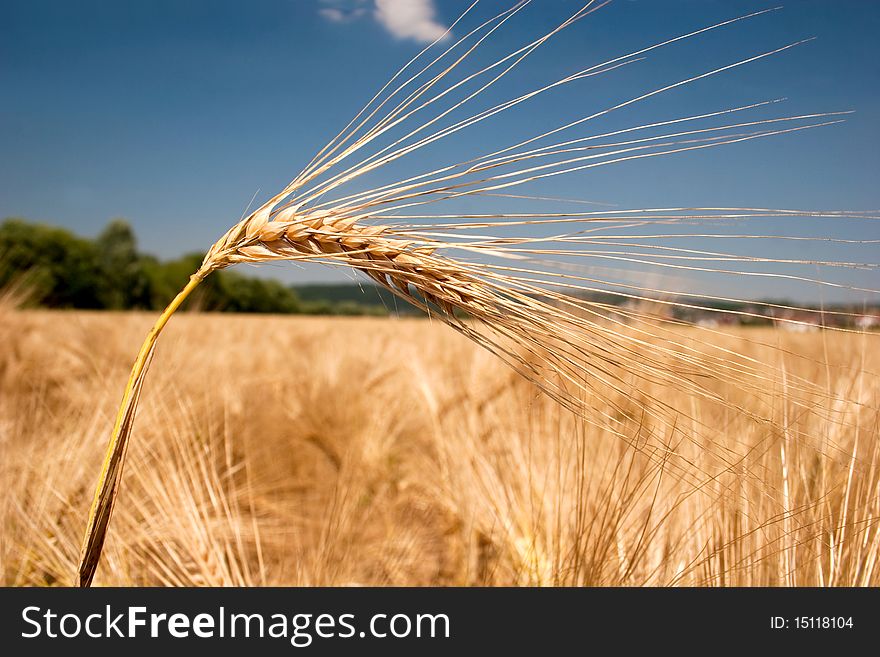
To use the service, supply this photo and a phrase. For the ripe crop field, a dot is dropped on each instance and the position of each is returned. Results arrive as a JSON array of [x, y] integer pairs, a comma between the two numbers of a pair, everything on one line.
[[276, 450]]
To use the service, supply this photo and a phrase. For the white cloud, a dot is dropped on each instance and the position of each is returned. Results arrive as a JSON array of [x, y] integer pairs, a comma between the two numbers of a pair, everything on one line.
[[409, 19], [404, 19], [339, 11], [332, 14]]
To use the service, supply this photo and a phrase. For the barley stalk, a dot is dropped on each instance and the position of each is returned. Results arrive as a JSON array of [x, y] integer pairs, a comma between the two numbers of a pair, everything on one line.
[[529, 314]]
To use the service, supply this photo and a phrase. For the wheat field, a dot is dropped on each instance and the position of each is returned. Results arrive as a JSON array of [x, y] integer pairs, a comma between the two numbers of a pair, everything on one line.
[[278, 450]]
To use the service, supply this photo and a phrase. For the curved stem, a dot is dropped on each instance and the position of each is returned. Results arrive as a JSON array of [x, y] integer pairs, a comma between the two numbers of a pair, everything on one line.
[[111, 470]]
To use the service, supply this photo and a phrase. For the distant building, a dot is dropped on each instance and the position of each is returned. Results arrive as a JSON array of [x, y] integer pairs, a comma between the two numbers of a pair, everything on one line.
[[867, 321]]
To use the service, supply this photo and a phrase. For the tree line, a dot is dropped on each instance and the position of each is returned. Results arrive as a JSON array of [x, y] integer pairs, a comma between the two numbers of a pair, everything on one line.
[[58, 269]]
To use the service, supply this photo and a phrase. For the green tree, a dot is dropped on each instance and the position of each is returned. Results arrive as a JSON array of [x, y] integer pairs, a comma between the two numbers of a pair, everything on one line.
[[127, 283], [62, 270]]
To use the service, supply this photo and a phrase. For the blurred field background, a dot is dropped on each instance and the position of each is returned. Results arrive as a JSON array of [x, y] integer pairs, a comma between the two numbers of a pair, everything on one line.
[[286, 450]]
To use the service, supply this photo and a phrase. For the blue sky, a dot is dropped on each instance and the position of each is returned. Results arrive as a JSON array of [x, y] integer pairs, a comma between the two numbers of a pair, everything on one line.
[[174, 114]]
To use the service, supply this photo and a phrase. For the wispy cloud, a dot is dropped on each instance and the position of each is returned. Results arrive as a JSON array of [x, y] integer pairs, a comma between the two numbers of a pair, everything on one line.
[[339, 11], [404, 19], [409, 19], [332, 14]]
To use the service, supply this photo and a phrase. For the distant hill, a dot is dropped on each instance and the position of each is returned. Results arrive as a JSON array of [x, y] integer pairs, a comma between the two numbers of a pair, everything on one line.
[[369, 297], [366, 293]]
